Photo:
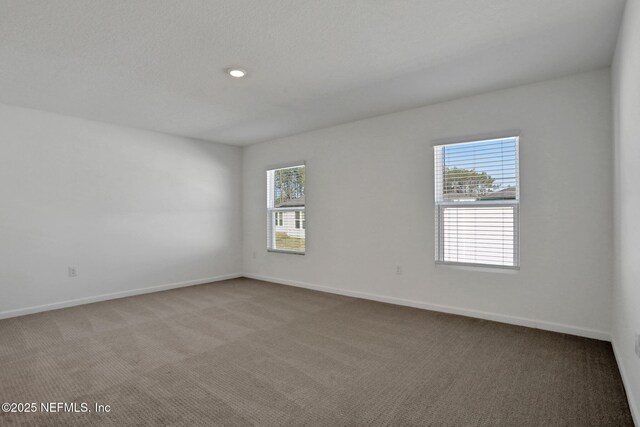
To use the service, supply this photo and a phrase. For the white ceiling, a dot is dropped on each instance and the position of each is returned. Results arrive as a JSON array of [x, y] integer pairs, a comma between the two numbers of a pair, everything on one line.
[[158, 64]]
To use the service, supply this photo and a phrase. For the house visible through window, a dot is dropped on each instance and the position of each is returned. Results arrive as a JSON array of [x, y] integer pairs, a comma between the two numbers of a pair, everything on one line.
[[285, 209], [477, 196]]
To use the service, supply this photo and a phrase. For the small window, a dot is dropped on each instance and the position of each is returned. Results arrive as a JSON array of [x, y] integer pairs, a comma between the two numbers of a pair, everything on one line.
[[477, 198], [279, 219], [285, 210], [300, 220]]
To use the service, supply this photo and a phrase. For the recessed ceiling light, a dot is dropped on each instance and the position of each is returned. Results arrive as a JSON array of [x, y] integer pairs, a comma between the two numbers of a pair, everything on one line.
[[238, 73]]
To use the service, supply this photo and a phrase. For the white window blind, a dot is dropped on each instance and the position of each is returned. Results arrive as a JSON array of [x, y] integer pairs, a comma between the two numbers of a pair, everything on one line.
[[477, 195], [286, 224]]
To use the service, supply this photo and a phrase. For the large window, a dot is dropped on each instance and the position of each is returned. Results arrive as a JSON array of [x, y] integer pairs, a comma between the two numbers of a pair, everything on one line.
[[477, 196], [285, 209]]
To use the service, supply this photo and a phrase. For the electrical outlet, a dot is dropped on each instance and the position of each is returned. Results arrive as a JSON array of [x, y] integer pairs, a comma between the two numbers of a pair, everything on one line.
[[638, 344], [398, 269], [73, 272]]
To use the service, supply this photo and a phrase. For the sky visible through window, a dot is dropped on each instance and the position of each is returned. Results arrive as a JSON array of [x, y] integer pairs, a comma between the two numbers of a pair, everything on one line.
[[496, 157]]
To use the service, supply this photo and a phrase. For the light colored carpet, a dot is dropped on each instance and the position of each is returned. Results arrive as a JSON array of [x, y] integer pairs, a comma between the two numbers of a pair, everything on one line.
[[244, 352]]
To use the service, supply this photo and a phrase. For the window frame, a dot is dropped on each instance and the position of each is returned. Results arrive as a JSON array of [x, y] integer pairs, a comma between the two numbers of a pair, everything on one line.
[[271, 210], [442, 205]]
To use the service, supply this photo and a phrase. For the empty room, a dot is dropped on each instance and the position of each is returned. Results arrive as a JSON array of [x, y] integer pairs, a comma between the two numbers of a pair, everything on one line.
[[466, 251]]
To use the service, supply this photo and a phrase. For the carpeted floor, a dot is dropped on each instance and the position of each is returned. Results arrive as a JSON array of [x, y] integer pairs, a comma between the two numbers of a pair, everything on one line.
[[244, 352]]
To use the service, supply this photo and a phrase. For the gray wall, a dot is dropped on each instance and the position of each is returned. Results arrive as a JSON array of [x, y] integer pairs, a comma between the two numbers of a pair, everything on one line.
[[130, 209], [370, 206], [626, 298]]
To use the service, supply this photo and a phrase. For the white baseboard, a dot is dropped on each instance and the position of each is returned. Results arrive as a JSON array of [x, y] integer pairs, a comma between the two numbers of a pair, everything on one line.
[[503, 318], [514, 320], [103, 297], [633, 403]]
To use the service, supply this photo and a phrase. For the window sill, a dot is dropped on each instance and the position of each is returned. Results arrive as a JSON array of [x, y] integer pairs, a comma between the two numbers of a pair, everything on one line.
[[478, 267], [278, 251]]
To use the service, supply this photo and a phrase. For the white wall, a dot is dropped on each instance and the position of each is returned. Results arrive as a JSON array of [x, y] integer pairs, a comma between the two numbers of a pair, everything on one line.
[[129, 208], [626, 300], [369, 202]]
